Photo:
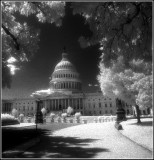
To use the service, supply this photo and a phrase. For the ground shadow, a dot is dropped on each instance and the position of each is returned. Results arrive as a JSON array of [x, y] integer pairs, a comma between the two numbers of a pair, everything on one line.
[[145, 123], [56, 146], [12, 137], [62, 147]]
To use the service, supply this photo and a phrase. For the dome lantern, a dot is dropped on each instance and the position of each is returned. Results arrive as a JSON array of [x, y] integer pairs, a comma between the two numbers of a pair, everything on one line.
[[64, 54]]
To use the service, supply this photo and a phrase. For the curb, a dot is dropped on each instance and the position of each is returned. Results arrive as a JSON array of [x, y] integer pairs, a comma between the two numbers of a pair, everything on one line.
[[141, 145], [20, 149]]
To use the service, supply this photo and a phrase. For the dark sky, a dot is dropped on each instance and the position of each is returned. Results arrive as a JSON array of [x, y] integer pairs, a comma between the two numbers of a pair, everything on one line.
[[35, 74]]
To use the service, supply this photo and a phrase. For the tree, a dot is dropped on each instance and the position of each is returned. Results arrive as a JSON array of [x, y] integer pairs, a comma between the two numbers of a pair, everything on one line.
[[119, 28], [44, 111], [14, 112], [19, 40], [134, 88], [70, 110]]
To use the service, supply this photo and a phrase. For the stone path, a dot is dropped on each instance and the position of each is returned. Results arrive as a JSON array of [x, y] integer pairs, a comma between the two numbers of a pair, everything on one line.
[[94, 140]]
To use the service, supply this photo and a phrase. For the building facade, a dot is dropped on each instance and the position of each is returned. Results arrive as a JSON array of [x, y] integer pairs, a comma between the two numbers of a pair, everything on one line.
[[66, 90]]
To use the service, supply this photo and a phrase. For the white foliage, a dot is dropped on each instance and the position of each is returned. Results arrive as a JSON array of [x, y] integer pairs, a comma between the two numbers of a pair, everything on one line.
[[64, 115], [77, 115], [44, 111], [132, 87], [14, 112], [52, 115]]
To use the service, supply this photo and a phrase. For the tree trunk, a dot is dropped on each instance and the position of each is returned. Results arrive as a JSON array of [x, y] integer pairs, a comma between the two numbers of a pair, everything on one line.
[[138, 114]]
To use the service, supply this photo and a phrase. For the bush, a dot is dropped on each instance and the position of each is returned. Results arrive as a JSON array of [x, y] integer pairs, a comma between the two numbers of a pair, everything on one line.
[[44, 111], [8, 119], [52, 115], [70, 110], [14, 112], [64, 115], [21, 118], [77, 115]]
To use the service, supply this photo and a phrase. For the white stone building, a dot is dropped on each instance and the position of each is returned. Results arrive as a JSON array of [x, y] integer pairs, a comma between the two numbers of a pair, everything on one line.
[[66, 90]]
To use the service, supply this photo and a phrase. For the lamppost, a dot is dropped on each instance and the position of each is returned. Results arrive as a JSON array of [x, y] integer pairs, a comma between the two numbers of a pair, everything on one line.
[[120, 111], [38, 114]]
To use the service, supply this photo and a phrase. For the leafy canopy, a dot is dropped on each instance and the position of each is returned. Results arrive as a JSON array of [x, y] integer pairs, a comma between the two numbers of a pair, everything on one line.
[[19, 40], [133, 87], [123, 28]]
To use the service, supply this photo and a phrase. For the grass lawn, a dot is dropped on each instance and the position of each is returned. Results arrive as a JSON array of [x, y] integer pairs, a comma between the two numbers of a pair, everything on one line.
[[14, 136], [142, 134]]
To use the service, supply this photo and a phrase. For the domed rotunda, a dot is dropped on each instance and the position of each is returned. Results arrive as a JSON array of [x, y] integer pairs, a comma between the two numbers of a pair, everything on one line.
[[65, 77]]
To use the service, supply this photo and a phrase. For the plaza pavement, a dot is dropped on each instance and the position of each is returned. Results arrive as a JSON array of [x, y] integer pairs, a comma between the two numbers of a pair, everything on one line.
[[93, 140]]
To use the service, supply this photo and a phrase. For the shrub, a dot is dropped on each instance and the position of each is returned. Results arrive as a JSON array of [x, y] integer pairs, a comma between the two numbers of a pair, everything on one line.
[[52, 115], [8, 119], [44, 111], [77, 115], [70, 110], [14, 112], [64, 115], [21, 118]]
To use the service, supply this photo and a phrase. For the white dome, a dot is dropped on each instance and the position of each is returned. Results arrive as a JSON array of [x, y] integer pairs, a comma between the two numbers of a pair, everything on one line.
[[65, 77]]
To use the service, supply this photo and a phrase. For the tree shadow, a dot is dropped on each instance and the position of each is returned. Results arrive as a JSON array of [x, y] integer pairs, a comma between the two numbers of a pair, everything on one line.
[[12, 137], [61, 147], [144, 123]]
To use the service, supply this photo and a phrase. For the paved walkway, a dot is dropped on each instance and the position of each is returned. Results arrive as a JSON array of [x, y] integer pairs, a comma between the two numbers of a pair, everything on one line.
[[95, 140]]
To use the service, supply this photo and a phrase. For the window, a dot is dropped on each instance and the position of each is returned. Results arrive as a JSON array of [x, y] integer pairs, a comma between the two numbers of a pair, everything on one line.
[[100, 105], [105, 112], [111, 112], [110, 105], [100, 112], [94, 105], [105, 105], [89, 105]]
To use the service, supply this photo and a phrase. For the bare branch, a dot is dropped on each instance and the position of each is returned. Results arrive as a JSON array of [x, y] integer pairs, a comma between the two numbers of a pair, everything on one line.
[[17, 45]]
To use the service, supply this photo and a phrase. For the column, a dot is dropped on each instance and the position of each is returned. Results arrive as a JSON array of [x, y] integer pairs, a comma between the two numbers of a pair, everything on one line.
[[45, 104], [79, 103], [58, 104], [65, 104]]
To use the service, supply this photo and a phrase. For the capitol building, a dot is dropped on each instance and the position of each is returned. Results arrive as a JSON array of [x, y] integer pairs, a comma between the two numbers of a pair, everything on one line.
[[65, 89]]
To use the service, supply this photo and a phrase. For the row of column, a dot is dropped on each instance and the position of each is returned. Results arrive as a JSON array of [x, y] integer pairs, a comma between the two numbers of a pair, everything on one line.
[[60, 104], [67, 85], [7, 107]]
